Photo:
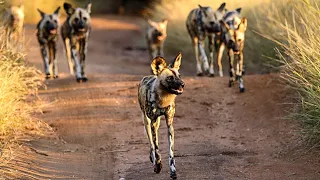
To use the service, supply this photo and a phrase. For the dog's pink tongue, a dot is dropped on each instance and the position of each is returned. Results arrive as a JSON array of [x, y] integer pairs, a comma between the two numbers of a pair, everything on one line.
[[53, 31]]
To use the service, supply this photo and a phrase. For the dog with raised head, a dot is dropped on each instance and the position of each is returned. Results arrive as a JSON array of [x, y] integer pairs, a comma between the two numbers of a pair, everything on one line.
[[156, 96], [203, 22], [47, 34], [233, 36], [13, 22], [156, 36], [75, 33]]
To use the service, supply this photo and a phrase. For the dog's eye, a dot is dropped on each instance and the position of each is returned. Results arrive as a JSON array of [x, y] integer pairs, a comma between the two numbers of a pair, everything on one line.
[[85, 19], [169, 78], [55, 21], [76, 19], [239, 40]]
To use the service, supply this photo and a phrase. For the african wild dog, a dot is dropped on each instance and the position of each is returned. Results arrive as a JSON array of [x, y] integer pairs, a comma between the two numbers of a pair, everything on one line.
[[157, 95], [233, 36], [13, 23], [47, 34], [201, 23], [156, 35], [75, 33]]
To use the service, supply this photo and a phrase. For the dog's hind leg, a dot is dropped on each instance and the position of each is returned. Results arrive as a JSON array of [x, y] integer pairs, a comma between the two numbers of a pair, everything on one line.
[[45, 58], [169, 120], [203, 56], [196, 52]]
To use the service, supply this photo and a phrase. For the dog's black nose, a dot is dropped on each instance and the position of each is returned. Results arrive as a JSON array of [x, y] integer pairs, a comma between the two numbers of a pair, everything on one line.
[[182, 84]]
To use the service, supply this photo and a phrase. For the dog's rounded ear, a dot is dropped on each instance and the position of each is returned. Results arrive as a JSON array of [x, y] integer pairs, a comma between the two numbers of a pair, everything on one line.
[[68, 8], [243, 25], [152, 23], [21, 6], [158, 64], [239, 10], [222, 6], [57, 11], [41, 12], [88, 7], [176, 62]]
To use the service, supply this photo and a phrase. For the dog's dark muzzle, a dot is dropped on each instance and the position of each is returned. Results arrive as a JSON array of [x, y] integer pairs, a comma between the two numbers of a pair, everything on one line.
[[178, 89], [234, 46], [81, 27], [52, 28]]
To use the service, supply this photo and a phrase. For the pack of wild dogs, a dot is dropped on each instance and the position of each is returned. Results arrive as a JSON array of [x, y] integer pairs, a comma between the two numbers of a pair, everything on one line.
[[224, 29]]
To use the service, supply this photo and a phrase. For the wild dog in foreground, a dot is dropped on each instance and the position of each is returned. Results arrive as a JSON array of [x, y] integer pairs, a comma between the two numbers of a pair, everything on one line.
[[156, 35], [233, 36], [13, 23], [201, 23], [75, 33], [47, 34], [157, 95]]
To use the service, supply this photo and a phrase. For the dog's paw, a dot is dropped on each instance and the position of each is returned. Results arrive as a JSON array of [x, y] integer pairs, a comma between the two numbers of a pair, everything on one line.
[[173, 175], [79, 80], [84, 79], [211, 75], [48, 76], [157, 167], [231, 83], [199, 74], [242, 90], [55, 76]]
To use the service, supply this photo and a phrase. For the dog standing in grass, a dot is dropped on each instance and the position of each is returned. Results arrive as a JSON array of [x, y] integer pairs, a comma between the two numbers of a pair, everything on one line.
[[156, 96], [13, 23], [156, 35], [75, 33], [201, 23], [47, 34], [232, 37]]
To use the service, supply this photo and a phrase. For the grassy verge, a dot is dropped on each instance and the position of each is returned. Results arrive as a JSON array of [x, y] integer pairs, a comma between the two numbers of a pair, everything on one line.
[[18, 87], [296, 31], [256, 49]]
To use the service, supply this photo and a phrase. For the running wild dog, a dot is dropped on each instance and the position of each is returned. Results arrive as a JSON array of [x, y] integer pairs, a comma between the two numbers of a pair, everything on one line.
[[157, 95], [156, 35], [47, 34], [75, 33], [13, 22], [201, 23], [233, 36]]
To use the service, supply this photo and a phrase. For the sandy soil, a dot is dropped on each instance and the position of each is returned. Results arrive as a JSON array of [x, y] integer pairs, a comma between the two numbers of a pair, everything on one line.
[[219, 133]]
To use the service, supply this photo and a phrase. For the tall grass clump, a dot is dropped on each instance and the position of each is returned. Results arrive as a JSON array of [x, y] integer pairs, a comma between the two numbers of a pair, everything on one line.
[[297, 23], [256, 49], [18, 87]]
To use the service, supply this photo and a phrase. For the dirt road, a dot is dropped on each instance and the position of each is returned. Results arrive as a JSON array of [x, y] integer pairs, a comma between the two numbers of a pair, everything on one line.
[[220, 133]]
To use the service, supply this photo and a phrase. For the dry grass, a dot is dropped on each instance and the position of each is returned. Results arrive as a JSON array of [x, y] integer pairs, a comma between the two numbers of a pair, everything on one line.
[[18, 87], [256, 49], [296, 31]]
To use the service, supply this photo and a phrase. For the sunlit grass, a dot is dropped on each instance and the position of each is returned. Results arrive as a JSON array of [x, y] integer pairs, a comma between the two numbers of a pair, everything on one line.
[[18, 89], [296, 30]]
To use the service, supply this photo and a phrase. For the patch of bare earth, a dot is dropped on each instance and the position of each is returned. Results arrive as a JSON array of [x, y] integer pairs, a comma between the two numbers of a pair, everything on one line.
[[219, 133]]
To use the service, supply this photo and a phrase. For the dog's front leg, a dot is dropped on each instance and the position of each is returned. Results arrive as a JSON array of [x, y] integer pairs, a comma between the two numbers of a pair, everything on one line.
[[239, 71], [83, 55], [211, 63], [157, 158], [55, 62], [232, 73], [219, 58], [43, 48], [169, 120], [160, 50], [68, 54], [76, 60]]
